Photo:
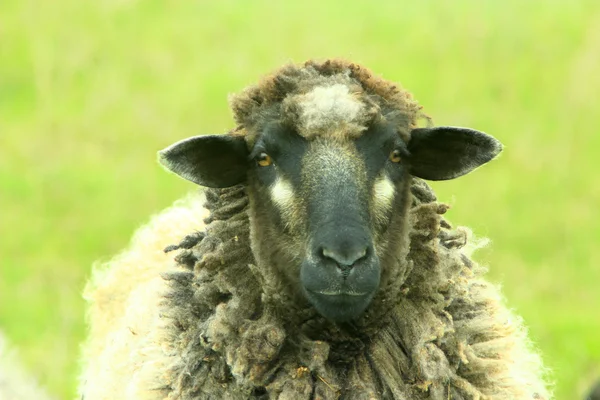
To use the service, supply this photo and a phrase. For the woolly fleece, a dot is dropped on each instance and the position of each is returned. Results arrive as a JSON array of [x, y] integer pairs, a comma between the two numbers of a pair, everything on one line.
[[461, 341], [15, 384]]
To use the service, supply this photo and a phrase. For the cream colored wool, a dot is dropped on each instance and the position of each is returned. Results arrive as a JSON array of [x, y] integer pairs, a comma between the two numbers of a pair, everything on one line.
[[124, 352], [15, 384]]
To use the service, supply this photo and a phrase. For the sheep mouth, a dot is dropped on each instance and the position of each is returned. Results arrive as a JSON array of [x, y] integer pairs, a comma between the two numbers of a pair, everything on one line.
[[339, 305], [336, 296], [340, 293]]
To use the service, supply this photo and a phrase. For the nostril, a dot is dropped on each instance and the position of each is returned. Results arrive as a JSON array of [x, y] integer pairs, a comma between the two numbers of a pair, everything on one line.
[[360, 255], [328, 253], [344, 259]]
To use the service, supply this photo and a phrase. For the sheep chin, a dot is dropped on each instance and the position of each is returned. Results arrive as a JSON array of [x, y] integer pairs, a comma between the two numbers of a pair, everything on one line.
[[341, 307]]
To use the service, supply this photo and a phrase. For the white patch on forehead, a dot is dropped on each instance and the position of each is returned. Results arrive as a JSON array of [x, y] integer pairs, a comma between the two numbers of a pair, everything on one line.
[[383, 196], [329, 106]]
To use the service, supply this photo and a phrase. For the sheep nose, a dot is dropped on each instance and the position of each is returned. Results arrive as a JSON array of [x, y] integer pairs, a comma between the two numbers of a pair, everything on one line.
[[345, 258]]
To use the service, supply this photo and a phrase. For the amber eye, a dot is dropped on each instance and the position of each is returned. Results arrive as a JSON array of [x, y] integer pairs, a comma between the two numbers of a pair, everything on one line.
[[264, 160], [395, 156]]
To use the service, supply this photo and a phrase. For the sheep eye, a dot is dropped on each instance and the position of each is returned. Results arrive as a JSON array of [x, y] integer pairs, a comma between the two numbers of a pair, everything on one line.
[[264, 160], [395, 156]]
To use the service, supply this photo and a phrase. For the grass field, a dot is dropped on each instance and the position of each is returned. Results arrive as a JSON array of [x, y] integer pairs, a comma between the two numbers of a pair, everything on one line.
[[89, 91]]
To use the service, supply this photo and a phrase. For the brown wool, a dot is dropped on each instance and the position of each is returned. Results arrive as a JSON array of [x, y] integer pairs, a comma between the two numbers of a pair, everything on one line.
[[438, 335], [260, 102]]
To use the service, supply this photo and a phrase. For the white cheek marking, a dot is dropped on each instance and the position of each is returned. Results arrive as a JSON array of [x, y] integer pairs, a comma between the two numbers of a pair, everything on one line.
[[329, 106], [383, 196], [282, 194]]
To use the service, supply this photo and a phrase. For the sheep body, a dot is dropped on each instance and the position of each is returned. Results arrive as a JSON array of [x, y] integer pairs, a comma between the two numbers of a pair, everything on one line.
[[124, 347], [134, 353]]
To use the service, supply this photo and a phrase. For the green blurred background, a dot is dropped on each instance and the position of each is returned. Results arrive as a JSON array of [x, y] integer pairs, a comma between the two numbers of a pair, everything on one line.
[[89, 91]]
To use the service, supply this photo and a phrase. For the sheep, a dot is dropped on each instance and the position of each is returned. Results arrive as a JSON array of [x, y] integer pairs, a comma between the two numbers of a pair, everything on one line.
[[15, 384], [319, 267]]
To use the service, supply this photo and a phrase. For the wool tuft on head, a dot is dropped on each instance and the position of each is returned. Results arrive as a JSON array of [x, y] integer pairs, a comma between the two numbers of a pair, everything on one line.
[[323, 269]]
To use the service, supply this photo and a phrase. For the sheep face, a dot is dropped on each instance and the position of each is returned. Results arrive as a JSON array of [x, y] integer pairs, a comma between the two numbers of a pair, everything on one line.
[[328, 181], [324, 206]]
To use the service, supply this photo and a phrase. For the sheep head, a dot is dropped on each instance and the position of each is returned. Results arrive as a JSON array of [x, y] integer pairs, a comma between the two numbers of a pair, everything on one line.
[[327, 155]]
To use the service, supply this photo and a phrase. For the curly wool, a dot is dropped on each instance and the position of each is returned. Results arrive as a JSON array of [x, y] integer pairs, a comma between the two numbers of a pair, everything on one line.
[[448, 334], [272, 97], [216, 334]]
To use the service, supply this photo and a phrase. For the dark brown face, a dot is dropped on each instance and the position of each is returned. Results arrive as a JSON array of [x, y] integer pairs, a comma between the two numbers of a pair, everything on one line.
[[325, 204], [327, 194]]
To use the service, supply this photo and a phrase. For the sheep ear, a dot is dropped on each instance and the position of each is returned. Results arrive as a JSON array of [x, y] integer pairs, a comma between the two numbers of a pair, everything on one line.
[[448, 152], [216, 161]]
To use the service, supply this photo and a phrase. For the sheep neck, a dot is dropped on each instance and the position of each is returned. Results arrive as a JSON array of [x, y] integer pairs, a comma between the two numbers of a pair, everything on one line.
[[220, 317]]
